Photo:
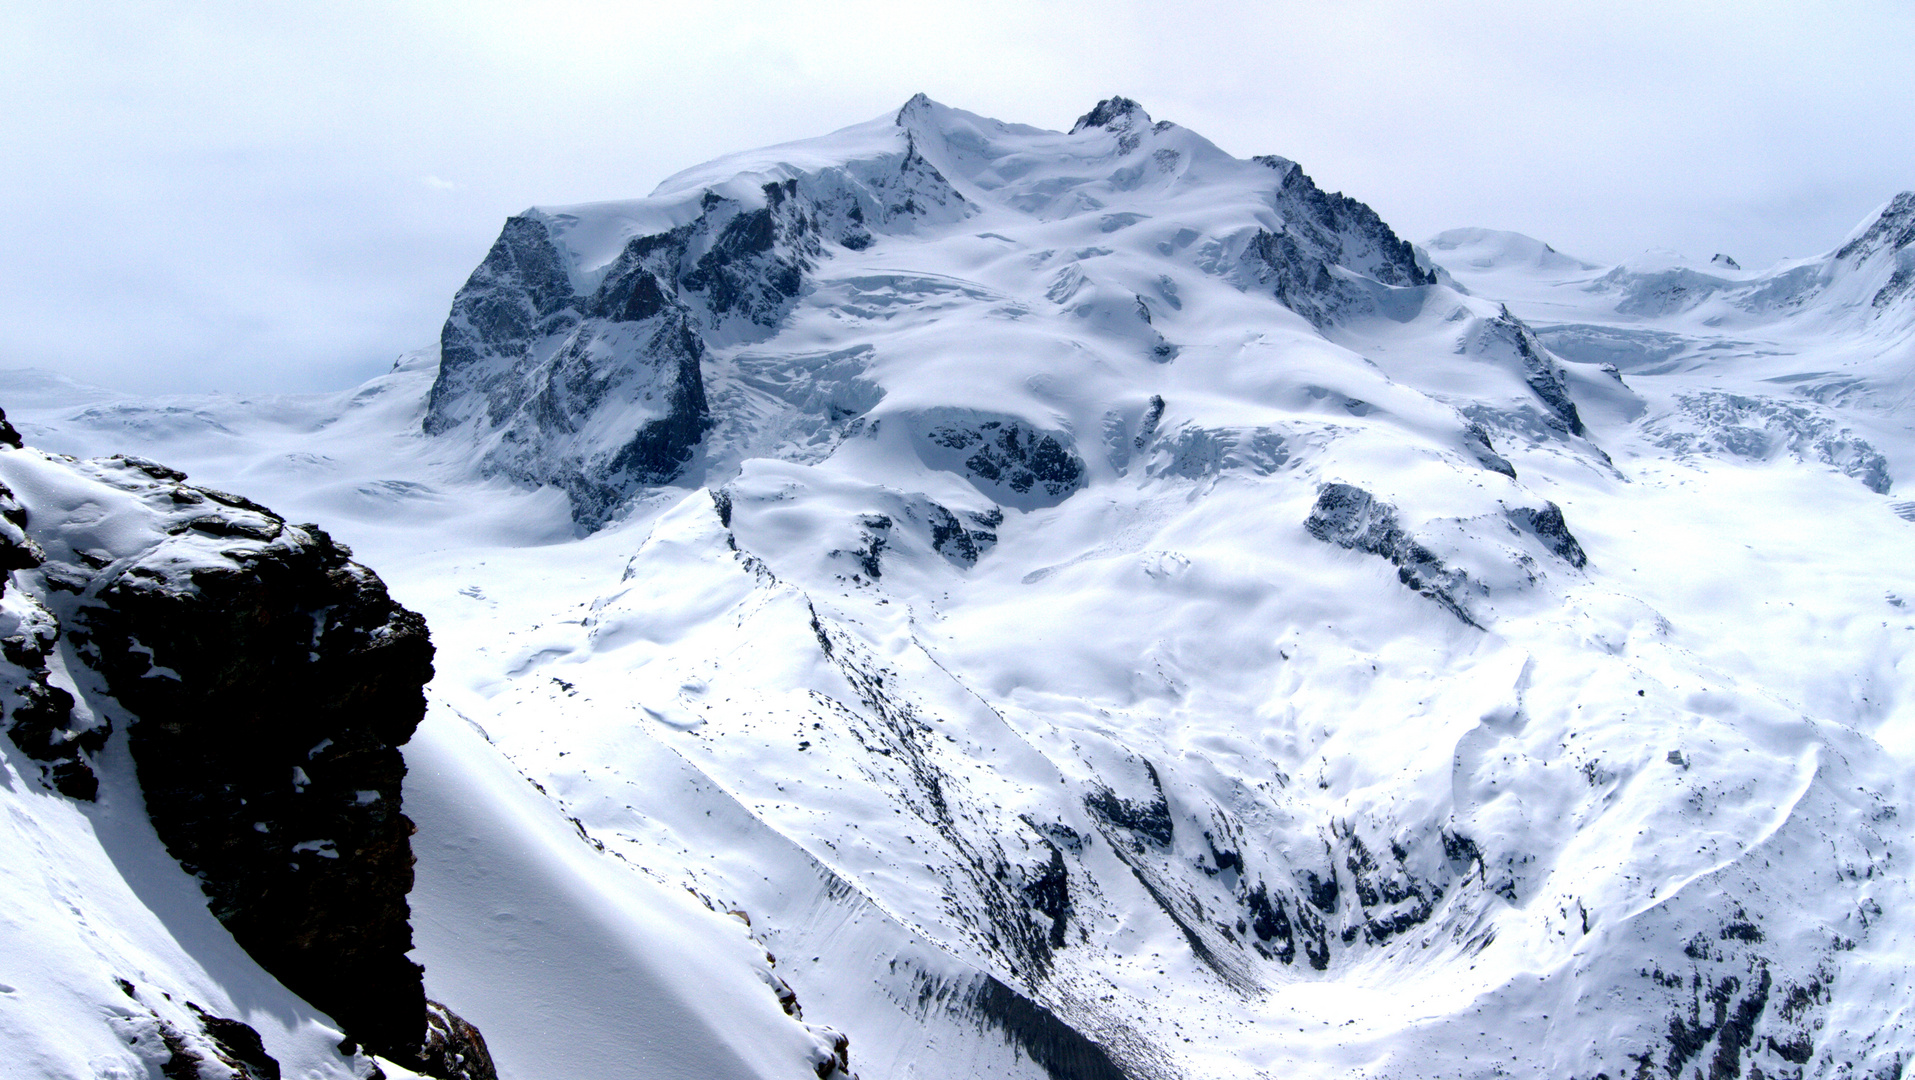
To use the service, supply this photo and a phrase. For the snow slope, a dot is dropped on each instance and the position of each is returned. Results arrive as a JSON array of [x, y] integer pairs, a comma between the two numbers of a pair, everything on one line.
[[1112, 609]]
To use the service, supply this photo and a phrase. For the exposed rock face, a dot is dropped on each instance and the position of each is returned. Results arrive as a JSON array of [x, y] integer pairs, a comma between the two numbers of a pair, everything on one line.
[[592, 381], [1006, 458], [1546, 524], [36, 715], [598, 349], [1062, 1051], [216, 1047], [958, 542], [272, 699], [271, 680], [1327, 241], [1477, 438], [1350, 517], [1114, 113], [1892, 231], [453, 1049], [1508, 334], [528, 364]]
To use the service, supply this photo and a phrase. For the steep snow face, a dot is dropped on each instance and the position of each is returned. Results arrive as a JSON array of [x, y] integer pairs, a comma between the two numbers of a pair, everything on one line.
[[1131, 616]]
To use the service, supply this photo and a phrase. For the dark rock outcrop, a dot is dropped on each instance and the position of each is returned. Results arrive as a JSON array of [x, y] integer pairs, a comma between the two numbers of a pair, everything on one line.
[[36, 715], [1546, 524], [1892, 231], [272, 699], [236, 1045], [1111, 112], [1006, 458], [1145, 820], [270, 681], [1350, 517], [537, 369], [453, 1049], [526, 363], [1508, 334], [1062, 1051], [953, 539], [1476, 436]]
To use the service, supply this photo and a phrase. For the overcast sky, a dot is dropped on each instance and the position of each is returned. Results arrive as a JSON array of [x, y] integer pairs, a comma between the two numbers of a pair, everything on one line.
[[260, 196]]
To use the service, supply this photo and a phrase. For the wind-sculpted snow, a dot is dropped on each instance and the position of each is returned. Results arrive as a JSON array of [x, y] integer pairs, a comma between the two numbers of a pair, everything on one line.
[[1121, 612]]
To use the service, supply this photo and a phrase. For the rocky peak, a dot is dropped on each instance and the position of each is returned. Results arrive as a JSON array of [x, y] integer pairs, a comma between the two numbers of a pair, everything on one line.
[[1322, 230], [918, 107], [611, 348], [1115, 113]]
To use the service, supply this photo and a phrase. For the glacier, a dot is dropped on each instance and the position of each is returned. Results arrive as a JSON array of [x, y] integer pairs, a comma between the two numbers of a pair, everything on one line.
[[951, 598]]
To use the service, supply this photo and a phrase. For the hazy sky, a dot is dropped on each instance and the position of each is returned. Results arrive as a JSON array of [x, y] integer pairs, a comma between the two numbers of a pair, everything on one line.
[[255, 195]]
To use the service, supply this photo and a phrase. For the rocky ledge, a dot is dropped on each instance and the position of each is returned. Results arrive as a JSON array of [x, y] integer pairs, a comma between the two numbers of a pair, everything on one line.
[[266, 682]]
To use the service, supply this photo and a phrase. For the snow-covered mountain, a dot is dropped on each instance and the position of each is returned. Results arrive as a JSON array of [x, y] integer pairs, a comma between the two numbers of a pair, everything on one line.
[[1092, 606], [1808, 359]]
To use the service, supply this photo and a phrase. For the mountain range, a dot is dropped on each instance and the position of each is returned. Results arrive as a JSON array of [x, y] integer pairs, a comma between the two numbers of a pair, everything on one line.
[[951, 598]]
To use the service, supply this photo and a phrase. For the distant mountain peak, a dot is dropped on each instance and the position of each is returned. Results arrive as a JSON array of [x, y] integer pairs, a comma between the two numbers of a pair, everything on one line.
[[919, 105], [1112, 112]]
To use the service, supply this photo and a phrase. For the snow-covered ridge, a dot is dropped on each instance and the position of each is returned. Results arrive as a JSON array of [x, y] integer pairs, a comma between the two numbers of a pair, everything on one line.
[[1664, 313], [1865, 284]]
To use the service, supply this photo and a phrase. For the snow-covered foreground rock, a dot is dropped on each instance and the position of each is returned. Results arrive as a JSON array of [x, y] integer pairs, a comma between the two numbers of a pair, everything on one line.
[[1096, 607]]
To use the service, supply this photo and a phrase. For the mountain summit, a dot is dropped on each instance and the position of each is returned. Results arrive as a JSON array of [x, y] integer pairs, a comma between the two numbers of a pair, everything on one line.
[[1112, 112], [763, 301]]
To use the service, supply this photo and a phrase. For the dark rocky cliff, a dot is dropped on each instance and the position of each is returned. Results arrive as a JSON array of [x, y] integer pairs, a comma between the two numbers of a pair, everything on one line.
[[601, 392], [270, 681]]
